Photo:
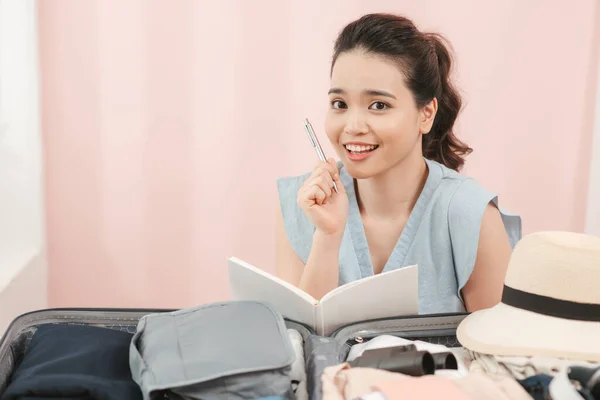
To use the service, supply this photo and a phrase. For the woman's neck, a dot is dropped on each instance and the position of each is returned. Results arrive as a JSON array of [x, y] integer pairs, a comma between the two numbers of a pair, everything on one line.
[[393, 193]]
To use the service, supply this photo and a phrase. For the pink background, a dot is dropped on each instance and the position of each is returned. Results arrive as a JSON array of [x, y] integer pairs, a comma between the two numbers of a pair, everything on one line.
[[165, 125]]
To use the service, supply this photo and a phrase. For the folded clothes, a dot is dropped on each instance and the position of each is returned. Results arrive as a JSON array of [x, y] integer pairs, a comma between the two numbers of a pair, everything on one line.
[[425, 387], [341, 382], [481, 386], [75, 362], [522, 367]]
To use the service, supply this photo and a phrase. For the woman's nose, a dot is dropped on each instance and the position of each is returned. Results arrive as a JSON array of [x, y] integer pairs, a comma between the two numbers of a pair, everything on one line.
[[356, 124]]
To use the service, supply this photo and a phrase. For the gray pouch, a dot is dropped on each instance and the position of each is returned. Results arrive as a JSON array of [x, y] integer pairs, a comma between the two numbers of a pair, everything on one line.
[[232, 350]]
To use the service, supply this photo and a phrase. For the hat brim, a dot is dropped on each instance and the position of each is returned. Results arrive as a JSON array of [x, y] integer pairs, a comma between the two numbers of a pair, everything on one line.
[[509, 331]]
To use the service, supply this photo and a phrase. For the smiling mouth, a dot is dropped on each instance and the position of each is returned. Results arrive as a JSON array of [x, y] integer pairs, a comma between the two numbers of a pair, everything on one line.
[[355, 149]]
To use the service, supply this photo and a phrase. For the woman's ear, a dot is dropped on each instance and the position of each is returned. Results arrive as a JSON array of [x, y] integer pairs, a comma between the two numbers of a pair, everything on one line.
[[427, 116]]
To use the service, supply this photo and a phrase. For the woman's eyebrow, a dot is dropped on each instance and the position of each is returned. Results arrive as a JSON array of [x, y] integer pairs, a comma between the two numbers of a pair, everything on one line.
[[370, 92]]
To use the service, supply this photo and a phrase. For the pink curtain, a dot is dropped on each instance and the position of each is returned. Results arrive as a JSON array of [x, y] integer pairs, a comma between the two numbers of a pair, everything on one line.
[[166, 124]]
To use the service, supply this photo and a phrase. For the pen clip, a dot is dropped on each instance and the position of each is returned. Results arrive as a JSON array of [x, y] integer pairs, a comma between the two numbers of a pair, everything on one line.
[[310, 133]]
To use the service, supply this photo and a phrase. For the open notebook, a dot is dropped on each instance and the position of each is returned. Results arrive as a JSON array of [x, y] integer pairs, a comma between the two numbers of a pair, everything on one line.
[[389, 294]]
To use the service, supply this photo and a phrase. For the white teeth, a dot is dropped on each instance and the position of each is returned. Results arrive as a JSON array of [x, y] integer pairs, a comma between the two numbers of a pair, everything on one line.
[[357, 149]]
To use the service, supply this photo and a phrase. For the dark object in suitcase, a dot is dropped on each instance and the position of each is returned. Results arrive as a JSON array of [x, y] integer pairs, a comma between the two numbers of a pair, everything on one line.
[[588, 377], [445, 360], [391, 351], [537, 386], [74, 361], [413, 363]]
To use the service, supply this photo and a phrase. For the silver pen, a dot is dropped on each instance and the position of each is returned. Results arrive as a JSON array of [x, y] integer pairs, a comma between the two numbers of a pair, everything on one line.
[[315, 143]]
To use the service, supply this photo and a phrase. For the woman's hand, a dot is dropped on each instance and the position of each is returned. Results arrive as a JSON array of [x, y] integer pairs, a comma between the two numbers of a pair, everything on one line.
[[325, 208]]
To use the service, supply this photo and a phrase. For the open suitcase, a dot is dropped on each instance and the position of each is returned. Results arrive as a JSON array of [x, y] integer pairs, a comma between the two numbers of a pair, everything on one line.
[[320, 352]]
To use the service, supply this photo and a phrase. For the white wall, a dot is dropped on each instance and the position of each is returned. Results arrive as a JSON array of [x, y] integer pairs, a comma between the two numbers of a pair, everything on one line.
[[21, 189]]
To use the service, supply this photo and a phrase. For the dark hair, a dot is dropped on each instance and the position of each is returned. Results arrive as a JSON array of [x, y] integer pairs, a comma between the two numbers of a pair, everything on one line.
[[426, 63]]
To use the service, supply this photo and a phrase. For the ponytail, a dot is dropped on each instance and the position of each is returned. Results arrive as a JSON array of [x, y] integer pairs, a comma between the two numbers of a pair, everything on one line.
[[441, 144]]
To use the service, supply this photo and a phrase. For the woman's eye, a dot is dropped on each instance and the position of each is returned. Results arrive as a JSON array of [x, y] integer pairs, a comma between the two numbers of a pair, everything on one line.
[[339, 104], [379, 105]]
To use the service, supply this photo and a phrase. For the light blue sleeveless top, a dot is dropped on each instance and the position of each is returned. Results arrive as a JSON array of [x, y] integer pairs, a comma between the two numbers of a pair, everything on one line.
[[441, 234]]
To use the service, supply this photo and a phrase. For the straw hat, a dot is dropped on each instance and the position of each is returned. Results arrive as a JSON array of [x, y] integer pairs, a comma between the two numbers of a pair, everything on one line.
[[550, 304]]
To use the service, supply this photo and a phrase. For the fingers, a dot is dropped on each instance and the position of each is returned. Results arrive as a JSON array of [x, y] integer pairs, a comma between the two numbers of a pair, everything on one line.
[[331, 166], [324, 177], [328, 166], [310, 195], [318, 188], [315, 195], [321, 186], [339, 185]]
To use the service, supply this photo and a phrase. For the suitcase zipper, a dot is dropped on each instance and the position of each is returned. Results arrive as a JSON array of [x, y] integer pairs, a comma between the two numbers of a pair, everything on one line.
[[451, 320], [371, 335], [356, 340]]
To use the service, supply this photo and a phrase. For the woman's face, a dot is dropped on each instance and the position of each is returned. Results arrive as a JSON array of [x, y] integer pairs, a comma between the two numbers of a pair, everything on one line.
[[373, 121]]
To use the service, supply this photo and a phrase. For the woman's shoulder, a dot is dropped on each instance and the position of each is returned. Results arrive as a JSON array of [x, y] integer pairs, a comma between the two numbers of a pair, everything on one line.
[[452, 182], [461, 191], [298, 227], [466, 200], [287, 190], [291, 183]]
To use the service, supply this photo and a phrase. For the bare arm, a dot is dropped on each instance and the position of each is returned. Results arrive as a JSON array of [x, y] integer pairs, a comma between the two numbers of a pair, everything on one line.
[[320, 274], [484, 287]]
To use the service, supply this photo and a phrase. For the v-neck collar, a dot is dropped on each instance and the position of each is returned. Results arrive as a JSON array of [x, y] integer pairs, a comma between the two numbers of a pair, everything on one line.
[[357, 230]]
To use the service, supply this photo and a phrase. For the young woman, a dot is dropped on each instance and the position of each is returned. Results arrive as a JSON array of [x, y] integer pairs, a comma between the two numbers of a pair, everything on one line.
[[400, 200]]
